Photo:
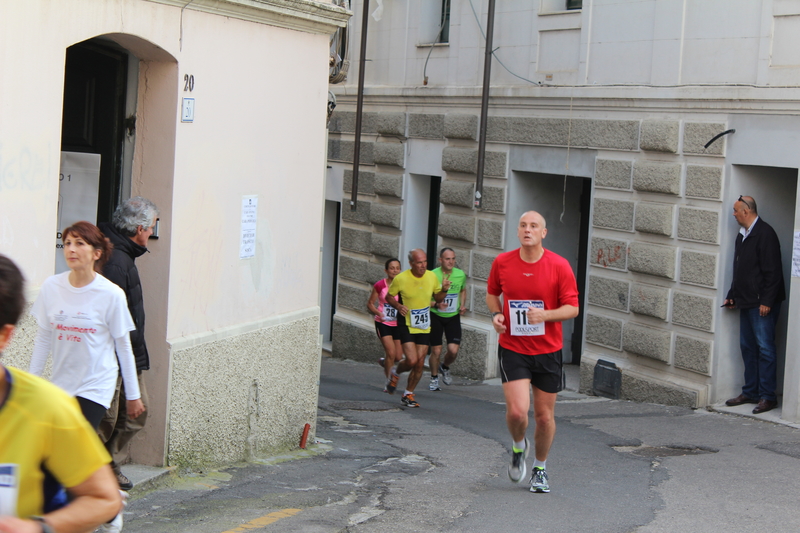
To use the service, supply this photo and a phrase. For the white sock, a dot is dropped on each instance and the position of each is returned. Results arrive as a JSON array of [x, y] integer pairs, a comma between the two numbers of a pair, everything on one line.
[[407, 392], [520, 445], [539, 464]]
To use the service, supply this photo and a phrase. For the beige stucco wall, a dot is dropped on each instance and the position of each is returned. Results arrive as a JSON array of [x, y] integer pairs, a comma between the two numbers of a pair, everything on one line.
[[244, 392], [260, 89]]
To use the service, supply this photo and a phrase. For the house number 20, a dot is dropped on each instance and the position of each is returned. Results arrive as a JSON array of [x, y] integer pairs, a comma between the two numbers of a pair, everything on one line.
[[188, 82]]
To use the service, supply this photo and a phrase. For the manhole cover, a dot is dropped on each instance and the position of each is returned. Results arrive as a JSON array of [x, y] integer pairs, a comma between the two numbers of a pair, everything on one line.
[[663, 451]]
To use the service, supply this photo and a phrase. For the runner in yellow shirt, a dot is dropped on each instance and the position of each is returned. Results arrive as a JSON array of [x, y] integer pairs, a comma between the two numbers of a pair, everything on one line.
[[416, 287]]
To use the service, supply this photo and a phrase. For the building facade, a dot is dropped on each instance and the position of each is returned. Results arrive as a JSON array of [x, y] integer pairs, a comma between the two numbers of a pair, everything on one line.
[[601, 117], [216, 111]]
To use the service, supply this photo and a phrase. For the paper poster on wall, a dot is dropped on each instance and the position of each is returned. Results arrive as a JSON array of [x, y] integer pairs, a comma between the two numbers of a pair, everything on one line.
[[796, 255], [78, 186], [249, 221]]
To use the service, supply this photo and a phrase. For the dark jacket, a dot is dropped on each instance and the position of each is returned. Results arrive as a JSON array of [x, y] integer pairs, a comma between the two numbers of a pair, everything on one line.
[[121, 270], [757, 270]]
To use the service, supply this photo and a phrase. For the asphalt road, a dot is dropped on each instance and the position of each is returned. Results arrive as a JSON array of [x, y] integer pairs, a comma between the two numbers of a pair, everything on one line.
[[614, 467]]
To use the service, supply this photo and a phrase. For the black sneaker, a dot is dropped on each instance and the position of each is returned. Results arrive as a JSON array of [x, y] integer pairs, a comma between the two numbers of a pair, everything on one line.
[[539, 480], [409, 401], [517, 469]]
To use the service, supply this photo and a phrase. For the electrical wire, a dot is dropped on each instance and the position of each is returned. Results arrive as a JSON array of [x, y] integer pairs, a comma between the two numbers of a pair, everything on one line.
[[494, 52], [436, 40], [630, 85]]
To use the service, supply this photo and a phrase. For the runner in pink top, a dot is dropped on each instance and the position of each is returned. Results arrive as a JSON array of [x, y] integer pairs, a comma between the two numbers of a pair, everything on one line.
[[386, 317]]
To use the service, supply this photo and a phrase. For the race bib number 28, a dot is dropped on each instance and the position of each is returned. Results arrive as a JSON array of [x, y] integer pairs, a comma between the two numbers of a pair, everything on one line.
[[389, 313], [421, 318], [518, 313]]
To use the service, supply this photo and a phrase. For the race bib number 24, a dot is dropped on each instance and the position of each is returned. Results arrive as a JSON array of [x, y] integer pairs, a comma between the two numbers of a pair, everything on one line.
[[518, 313], [421, 318]]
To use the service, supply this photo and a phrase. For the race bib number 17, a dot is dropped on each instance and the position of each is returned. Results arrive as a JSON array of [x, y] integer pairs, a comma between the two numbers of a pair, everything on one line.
[[421, 318], [451, 301], [518, 313]]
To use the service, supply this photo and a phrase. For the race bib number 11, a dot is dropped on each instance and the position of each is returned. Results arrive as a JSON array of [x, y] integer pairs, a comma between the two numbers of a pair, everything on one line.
[[518, 313], [421, 318]]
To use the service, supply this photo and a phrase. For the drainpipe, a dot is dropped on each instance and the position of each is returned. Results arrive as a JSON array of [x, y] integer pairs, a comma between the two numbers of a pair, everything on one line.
[[487, 71], [359, 106]]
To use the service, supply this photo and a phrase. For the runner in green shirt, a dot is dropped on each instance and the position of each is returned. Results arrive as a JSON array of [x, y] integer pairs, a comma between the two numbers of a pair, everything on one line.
[[446, 318]]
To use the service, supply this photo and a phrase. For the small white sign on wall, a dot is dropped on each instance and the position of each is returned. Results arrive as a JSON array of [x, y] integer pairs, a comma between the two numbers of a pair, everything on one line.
[[249, 221], [78, 187]]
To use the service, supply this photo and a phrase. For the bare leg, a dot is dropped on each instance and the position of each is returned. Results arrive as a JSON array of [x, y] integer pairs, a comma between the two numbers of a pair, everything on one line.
[[389, 350], [518, 401], [410, 351], [452, 353], [416, 372], [544, 404], [433, 362], [398, 350]]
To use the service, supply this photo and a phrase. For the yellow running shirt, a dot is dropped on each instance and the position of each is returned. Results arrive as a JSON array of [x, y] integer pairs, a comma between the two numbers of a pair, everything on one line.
[[42, 426], [417, 294]]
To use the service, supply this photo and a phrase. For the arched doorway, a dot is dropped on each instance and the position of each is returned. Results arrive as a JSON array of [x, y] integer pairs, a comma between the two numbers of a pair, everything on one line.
[[120, 106]]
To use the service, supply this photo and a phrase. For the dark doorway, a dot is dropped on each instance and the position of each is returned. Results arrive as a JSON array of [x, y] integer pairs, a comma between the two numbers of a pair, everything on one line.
[[433, 222], [565, 203], [583, 262], [95, 81]]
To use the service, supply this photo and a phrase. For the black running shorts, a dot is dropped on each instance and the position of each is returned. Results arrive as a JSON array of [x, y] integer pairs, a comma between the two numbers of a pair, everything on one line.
[[406, 336], [450, 326], [544, 370], [387, 331]]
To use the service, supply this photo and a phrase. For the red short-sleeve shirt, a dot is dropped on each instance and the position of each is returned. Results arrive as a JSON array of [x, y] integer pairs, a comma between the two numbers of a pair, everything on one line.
[[549, 282]]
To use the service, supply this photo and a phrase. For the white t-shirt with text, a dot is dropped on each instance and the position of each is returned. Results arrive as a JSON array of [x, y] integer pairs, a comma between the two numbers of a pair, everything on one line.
[[83, 323]]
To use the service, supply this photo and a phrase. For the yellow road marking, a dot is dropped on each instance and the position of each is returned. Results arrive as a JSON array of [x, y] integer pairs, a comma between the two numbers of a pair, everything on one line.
[[264, 520]]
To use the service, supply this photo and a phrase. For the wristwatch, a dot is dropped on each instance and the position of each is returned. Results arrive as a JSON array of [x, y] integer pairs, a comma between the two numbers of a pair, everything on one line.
[[497, 313], [45, 526]]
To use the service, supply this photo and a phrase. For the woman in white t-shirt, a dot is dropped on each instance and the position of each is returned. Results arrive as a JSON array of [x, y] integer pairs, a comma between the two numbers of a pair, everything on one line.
[[85, 323]]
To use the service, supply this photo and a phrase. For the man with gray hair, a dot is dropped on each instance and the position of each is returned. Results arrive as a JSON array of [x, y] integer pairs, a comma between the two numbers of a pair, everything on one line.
[[131, 226]]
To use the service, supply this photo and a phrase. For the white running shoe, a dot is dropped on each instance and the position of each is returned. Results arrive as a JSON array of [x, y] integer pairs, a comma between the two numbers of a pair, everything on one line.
[[517, 469], [445, 372]]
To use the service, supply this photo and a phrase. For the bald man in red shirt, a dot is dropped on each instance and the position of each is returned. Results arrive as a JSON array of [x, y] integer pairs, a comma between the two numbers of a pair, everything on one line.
[[539, 292]]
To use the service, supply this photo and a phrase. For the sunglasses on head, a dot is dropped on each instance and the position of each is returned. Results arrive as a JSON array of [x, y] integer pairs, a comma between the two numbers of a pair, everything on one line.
[[745, 202]]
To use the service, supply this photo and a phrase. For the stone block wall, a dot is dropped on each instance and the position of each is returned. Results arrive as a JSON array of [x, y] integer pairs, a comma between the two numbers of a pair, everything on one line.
[[374, 231], [657, 214], [654, 260]]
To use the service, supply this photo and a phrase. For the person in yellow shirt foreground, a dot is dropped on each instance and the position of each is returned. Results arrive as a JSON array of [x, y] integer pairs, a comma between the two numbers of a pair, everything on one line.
[[45, 441]]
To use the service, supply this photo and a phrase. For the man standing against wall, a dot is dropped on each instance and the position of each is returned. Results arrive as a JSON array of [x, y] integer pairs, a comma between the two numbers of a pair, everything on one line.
[[130, 228], [539, 292], [446, 318], [757, 290], [416, 287]]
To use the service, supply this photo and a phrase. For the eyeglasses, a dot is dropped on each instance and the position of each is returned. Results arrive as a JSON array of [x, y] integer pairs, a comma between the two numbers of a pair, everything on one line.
[[745, 202]]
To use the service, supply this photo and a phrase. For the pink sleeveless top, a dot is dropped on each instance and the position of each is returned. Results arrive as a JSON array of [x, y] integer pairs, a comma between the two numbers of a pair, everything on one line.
[[389, 313]]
